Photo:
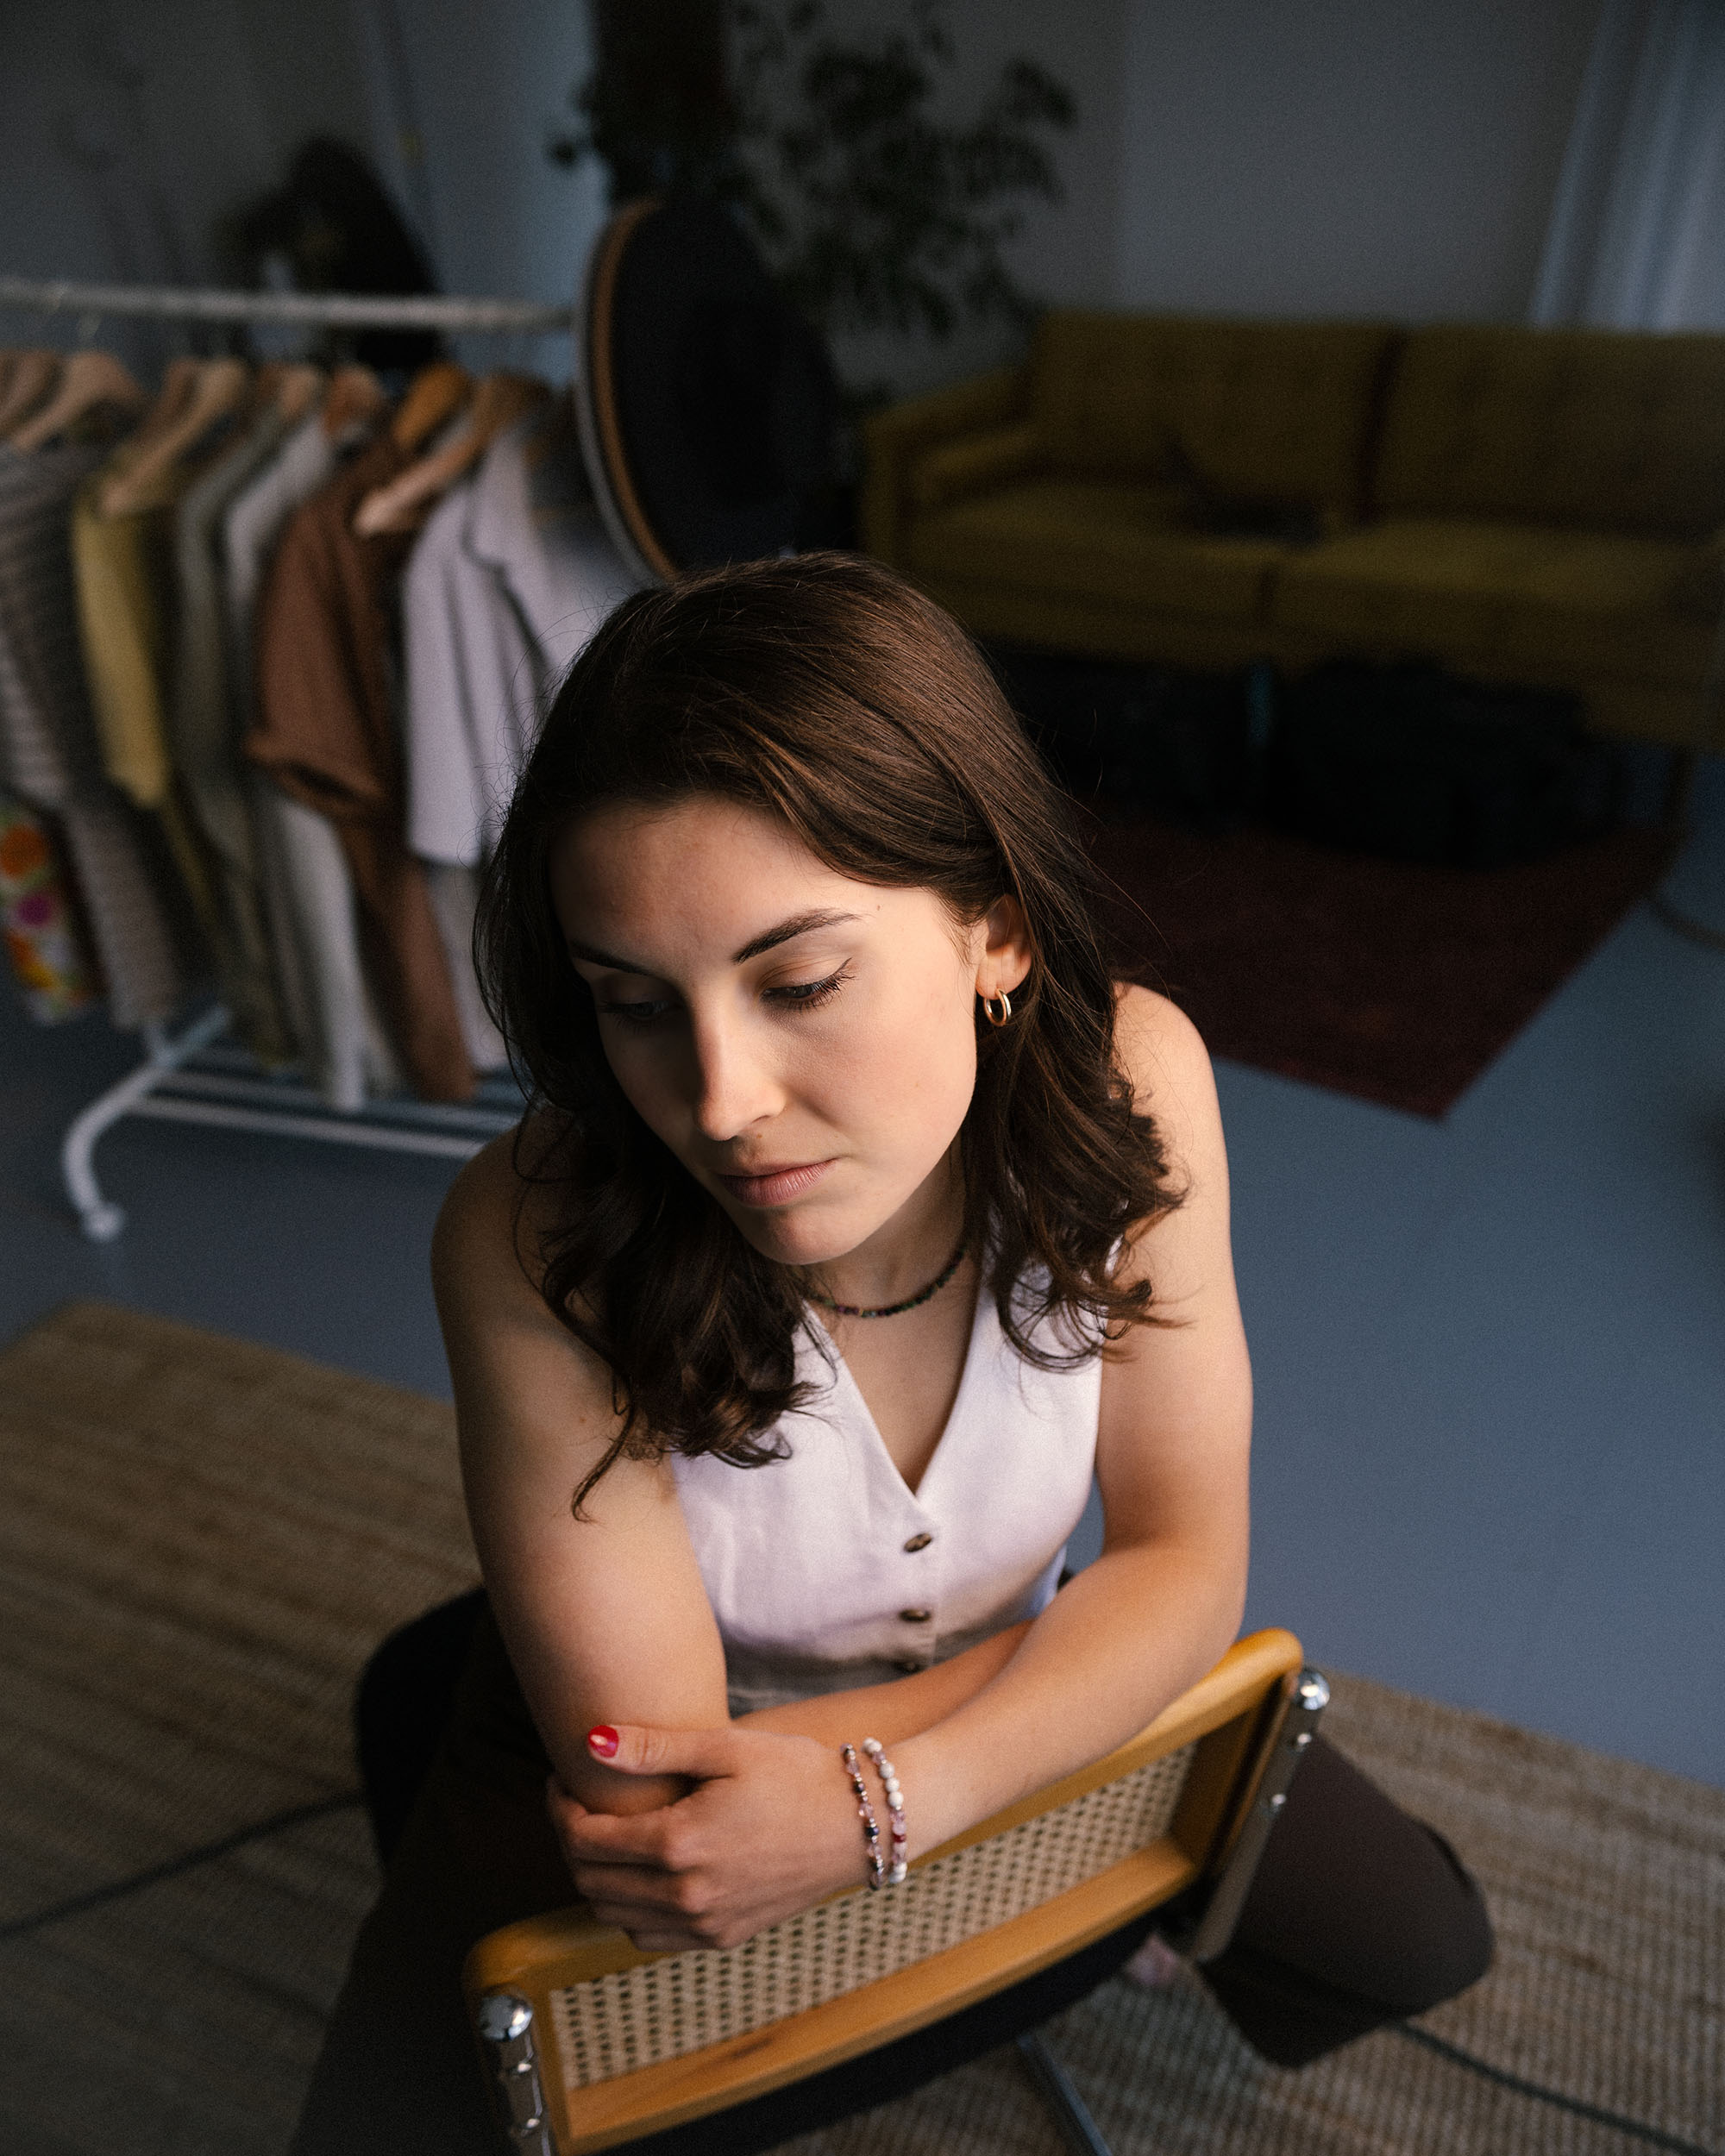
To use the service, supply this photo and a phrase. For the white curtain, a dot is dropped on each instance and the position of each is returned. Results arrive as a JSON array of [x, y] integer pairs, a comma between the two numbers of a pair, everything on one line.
[[1637, 238]]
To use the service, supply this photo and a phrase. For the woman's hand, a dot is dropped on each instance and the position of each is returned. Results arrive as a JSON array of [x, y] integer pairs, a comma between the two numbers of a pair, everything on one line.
[[770, 1829]]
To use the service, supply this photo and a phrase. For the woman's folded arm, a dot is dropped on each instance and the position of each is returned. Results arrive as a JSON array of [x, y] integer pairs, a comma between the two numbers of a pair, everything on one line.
[[604, 1617]]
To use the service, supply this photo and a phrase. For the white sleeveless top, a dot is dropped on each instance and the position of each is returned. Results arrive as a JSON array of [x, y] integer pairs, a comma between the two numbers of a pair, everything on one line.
[[826, 1572]]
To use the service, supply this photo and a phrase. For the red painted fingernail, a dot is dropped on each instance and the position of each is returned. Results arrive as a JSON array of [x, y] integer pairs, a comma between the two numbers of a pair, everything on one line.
[[604, 1740]]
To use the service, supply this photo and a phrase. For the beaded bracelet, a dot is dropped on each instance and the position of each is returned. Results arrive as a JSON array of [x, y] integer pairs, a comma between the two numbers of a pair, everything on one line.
[[871, 1831], [896, 1810]]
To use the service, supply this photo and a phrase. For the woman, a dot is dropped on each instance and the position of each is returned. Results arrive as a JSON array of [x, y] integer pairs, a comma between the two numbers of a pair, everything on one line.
[[861, 1220]]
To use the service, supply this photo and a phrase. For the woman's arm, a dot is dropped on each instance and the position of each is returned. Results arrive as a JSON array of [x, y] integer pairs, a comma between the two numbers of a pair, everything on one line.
[[606, 1617], [1164, 1602], [899, 1708], [1156, 1611]]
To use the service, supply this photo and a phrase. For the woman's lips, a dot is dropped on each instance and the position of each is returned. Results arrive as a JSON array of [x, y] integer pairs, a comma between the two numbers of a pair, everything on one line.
[[776, 1186]]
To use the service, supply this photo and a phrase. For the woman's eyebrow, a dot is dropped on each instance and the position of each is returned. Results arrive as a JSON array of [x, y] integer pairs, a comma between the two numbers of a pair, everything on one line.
[[799, 925], [594, 956], [769, 939]]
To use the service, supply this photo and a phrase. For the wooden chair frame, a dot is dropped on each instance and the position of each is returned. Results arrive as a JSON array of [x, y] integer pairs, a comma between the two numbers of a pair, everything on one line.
[[1247, 1723]]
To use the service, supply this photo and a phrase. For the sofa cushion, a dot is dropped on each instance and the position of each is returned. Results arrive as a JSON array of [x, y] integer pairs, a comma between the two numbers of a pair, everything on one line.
[[1623, 432], [1261, 411], [1088, 540], [1700, 589], [1558, 604]]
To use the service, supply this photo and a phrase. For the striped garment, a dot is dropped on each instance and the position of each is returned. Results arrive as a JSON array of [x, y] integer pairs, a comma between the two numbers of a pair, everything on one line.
[[49, 755]]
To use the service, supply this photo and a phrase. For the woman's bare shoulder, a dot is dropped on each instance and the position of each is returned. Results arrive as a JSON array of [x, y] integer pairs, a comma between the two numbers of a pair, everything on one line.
[[1161, 1053], [532, 1400], [516, 1368], [496, 1213]]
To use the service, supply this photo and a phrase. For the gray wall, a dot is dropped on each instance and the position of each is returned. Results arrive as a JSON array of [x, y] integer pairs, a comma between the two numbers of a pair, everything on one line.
[[1343, 157]]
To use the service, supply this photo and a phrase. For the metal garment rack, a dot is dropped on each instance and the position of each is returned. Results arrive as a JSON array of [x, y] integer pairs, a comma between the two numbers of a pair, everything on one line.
[[193, 1075]]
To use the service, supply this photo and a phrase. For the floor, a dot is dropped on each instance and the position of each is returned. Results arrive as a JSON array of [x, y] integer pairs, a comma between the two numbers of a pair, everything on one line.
[[1490, 1352]]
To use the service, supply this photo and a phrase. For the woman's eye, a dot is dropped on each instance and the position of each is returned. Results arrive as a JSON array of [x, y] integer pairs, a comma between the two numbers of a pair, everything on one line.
[[809, 995], [635, 1013]]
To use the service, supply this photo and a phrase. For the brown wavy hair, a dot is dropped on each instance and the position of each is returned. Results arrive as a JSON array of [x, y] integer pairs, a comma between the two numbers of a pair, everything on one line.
[[828, 692]]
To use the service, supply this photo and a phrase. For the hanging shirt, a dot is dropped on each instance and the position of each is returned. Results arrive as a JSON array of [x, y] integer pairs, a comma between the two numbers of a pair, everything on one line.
[[535, 523], [205, 748], [308, 888], [511, 575], [326, 730], [455, 901], [49, 753], [125, 597], [468, 667]]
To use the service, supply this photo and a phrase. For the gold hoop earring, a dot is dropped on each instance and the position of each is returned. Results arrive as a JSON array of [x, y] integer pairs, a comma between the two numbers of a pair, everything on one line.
[[1005, 1004]]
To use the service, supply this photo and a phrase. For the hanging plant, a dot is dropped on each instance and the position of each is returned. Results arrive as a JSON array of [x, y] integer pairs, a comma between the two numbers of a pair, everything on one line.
[[874, 212]]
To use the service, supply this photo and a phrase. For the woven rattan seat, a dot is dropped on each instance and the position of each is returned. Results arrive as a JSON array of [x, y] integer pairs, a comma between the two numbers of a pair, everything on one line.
[[593, 2043]]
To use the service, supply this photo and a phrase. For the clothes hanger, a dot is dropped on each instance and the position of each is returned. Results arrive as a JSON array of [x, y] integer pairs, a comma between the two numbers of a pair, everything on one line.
[[174, 400], [285, 387], [179, 377], [498, 402], [436, 394], [30, 378], [87, 380], [356, 398], [220, 390], [297, 388]]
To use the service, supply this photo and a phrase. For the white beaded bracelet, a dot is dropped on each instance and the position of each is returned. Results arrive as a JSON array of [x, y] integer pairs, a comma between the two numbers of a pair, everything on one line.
[[865, 1811], [899, 1866]]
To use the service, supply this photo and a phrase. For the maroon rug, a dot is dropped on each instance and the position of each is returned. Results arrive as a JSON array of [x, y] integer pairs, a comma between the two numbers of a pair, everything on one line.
[[1391, 981]]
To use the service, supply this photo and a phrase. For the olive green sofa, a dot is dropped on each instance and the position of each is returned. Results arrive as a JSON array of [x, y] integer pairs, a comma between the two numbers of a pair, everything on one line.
[[1545, 507]]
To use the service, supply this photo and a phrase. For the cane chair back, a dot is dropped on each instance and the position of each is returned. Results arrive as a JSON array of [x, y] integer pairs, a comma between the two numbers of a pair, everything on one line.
[[592, 2042]]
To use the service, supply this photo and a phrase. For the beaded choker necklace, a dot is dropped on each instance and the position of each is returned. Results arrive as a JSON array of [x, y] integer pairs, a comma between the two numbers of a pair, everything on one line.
[[893, 1309]]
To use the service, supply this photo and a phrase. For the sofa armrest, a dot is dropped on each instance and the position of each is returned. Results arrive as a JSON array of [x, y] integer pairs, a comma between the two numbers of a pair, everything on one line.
[[1699, 587], [896, 440], [971, 465]]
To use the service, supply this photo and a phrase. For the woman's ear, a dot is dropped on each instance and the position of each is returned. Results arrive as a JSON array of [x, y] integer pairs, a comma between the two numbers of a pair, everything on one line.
[[1005, 953]]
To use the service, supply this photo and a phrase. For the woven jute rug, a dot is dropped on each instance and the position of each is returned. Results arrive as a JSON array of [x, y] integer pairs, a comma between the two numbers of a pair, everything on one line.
[[200, 1540]]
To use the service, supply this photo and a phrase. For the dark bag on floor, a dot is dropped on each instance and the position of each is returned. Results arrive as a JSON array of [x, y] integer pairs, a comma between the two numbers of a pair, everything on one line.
[[1118, 735], [1411, 762]]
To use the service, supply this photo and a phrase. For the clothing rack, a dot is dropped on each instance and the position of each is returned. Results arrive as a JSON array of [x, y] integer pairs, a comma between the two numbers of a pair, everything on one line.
[[193, 1074], [351, 310]]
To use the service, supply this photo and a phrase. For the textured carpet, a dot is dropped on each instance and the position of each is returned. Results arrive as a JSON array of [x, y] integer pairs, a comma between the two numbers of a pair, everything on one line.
[[200, 1540], [1392, 980]]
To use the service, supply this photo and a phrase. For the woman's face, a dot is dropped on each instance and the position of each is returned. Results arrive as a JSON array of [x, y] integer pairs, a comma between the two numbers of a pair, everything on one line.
[[804, 1043]]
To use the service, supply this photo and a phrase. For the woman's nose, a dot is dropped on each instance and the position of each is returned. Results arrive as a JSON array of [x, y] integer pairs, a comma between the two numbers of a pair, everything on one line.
[[736, 1086]]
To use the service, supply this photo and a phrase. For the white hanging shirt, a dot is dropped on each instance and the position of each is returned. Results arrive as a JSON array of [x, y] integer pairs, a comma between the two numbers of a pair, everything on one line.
[[826, 1572], [508, 578]]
